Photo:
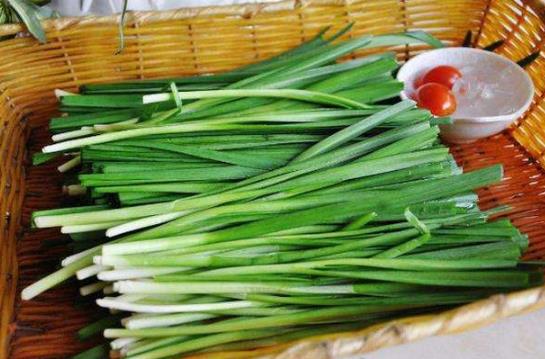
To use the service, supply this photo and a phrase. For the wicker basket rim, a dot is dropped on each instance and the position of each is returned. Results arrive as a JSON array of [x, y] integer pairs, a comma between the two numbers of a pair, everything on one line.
[[141, 17], [245, 10], [467, 317]]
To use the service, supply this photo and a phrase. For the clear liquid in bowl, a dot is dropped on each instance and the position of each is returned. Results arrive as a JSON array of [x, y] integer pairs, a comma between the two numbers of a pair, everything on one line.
[[484, 91]]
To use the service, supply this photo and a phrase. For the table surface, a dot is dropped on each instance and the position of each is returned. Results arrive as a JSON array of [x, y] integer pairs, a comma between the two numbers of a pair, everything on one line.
[[514, 338], [518, 337]]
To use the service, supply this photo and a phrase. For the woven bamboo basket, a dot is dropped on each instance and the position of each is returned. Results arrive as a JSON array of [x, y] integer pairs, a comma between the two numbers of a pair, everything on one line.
[[191, 41]]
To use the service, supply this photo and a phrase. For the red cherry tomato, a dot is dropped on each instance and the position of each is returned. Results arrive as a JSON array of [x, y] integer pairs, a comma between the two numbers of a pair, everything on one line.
[[418, 82], [436, 98], [444, 75]]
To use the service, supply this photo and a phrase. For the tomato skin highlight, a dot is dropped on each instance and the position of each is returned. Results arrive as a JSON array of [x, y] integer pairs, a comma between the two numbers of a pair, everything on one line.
[[436, 98], [444, 75]]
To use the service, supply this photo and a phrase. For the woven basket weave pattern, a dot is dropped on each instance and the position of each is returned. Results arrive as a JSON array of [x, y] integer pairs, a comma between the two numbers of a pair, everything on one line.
[[192, 41]]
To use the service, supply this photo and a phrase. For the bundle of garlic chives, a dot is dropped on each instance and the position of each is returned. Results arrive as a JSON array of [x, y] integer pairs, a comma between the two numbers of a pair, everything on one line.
[[274, 202]]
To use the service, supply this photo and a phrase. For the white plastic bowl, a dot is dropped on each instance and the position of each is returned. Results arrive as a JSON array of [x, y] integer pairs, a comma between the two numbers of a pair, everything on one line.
[[469, 128]]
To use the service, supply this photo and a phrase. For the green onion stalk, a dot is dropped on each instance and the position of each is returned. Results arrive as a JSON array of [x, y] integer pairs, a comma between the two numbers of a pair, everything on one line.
[[293, 197]]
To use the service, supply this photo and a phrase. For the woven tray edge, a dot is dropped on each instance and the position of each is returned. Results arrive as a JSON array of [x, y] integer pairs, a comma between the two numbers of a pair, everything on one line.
[[460, 319], [336, 346]]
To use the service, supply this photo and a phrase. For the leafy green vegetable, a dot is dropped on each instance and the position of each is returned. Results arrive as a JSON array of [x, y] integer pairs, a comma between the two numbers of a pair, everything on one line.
[[276, 201]]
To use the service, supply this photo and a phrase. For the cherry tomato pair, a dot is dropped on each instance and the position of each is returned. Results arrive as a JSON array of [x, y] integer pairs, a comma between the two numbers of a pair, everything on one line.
[[433, 90]]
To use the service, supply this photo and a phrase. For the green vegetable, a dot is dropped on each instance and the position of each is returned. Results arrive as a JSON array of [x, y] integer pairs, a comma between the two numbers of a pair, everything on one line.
[[270, 203], [30, 14]]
